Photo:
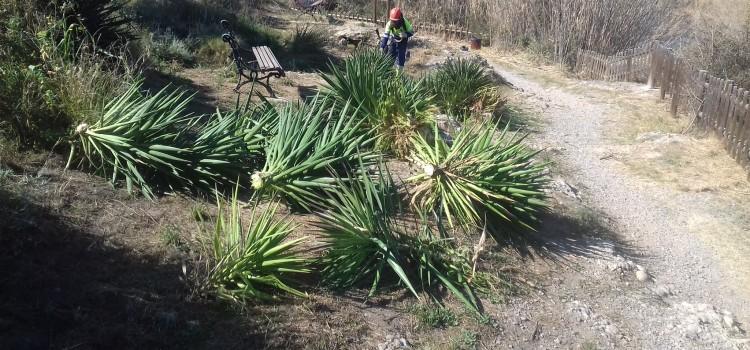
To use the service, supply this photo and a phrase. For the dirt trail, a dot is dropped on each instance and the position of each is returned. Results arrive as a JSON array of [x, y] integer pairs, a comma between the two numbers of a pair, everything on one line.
[[695, 245]]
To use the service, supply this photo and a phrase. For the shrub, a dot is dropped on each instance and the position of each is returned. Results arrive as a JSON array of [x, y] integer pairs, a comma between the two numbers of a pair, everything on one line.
[[463, 87], [169, 48], [392, 105], [308, 143], [51, 78], [213, 52], [366, 243], [306, 48], [253, 263], [479, 175]]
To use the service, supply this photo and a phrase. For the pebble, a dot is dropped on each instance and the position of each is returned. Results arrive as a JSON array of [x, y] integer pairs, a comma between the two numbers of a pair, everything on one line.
[[641, 275], [663, 291], [729, 320]]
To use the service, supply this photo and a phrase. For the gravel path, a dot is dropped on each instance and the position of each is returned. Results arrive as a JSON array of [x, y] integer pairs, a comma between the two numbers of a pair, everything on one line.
[[699, 301]]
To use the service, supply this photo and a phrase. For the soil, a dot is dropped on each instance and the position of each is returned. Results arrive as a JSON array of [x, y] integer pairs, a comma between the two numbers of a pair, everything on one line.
[[646, 245]]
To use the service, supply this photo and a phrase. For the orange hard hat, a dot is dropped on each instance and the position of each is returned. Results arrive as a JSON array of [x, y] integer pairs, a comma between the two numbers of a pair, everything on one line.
[[396, 14]]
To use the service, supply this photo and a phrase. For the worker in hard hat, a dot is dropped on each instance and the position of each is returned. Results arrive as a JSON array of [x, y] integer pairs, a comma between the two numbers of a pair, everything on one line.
[[398, 30]]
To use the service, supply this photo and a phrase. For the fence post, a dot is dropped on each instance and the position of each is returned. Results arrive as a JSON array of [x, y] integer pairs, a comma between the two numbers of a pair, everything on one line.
[[701, 95], [652, 71], [677, 76], [629, 70]]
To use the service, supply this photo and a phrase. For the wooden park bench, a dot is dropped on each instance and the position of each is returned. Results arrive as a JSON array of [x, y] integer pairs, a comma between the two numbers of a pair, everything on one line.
[[262, 65]]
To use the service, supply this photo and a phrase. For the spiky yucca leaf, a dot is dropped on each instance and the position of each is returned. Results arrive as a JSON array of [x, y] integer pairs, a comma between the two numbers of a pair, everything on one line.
[[462, 87], [151, 140], [359, 79], [309, 142], [219, 155], [393, 105], [479, 175], [366, 242], [136, 138], [252, 263]]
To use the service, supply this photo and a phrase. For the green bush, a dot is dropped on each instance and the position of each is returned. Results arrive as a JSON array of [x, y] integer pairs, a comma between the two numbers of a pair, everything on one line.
[[306, 48], [310, 142], [169, 48], [51, 78], [213, 52], [463, 87], [151, 141]]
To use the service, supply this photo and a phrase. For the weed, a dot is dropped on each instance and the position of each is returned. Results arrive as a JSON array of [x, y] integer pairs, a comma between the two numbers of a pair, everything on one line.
[[466, 341], [199, 213], [171, 238], [435, 317]]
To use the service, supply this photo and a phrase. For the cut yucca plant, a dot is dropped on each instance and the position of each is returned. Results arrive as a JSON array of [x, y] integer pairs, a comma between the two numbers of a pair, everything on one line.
[[367, 243], [151, 141], [480, 174], [253, 263], [310, 142]]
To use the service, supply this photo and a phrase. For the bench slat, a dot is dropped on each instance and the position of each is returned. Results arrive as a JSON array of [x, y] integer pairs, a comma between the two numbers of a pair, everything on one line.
[[266, 59]]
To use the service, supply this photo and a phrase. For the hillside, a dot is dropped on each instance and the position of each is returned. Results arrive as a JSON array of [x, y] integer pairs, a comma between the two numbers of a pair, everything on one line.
[[484, 199]]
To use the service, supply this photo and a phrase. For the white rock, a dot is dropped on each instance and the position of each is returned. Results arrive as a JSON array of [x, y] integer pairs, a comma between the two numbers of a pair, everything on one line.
[[641, 275], [729, 320], [663, 291]]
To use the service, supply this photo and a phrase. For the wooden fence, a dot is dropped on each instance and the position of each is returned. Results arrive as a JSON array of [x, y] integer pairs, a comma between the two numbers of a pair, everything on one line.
[[629, 65], [716, 104]]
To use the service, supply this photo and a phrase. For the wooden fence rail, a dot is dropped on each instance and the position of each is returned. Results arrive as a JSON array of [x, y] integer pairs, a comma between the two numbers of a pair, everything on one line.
[[716, 104]]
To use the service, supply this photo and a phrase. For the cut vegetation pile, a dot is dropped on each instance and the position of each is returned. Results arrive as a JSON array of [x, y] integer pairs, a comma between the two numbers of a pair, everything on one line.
[[327, 156]]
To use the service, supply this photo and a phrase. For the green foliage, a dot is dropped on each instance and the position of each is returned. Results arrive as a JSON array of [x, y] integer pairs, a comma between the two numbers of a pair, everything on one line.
[[169, 48], [366, 242], [479, 175], [468, 340], [393, 105], [435, 317], [150, 140], [310, 141], [463, 87], [213, 52], [253, 263], [51, 78], [103, 19]]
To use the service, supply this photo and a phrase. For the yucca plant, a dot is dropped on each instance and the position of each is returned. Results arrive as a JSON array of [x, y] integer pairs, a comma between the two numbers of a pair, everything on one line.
[[136, 139], [218, 155], [367, 243], [392, 105], [463, 87], [311, 141], [253, 263], [480, 174], [152, 140]]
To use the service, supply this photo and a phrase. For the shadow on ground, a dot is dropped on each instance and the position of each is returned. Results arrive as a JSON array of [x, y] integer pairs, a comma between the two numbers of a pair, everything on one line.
[[580, 233], [65, 288]]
